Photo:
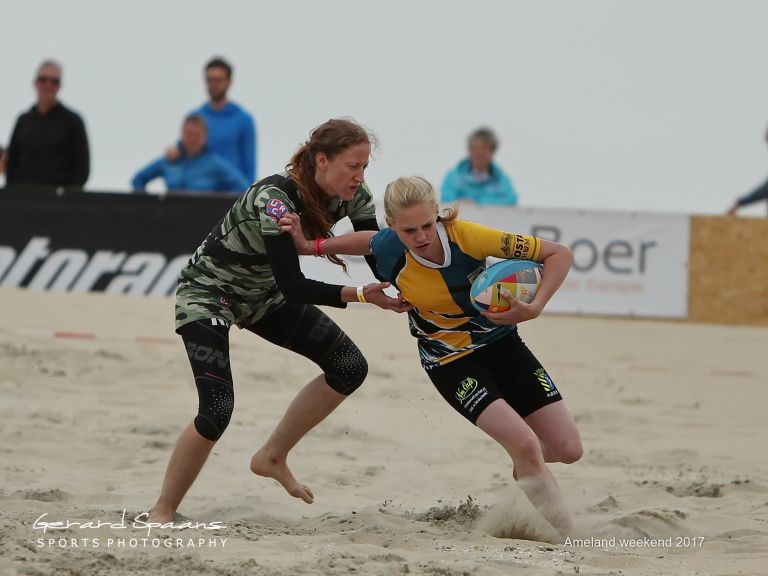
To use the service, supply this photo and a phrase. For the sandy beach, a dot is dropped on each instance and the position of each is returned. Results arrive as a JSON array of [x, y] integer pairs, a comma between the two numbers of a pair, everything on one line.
[[95, 390]]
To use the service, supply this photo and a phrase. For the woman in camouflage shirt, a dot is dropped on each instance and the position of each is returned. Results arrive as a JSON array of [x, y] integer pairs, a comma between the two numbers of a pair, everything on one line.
[[247, 273]]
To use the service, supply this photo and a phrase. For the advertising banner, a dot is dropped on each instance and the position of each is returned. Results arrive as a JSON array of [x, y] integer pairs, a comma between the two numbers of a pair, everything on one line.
[[118, 243], [624, 263]]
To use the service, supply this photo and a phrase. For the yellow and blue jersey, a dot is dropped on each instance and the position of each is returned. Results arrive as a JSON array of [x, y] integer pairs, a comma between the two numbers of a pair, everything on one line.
[[443, 319]]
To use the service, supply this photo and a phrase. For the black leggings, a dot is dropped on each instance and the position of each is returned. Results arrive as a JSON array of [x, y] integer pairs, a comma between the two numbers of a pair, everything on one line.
[[302, 328]]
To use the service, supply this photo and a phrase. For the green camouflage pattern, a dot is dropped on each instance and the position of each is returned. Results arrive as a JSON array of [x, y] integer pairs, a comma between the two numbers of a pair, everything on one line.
[[238, 286]]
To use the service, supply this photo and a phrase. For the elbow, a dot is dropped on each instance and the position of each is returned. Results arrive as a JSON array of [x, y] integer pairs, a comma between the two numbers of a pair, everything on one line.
[[291, 291], [561, 254], [567, 255], [291, 295]]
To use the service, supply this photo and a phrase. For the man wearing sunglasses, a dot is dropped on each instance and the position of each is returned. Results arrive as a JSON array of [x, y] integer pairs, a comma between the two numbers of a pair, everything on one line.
[[49, 146]]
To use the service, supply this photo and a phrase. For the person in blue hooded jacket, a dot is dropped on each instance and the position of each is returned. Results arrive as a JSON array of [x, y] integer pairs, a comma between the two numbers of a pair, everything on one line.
[[478, 178], [231, 130], [196, 169]]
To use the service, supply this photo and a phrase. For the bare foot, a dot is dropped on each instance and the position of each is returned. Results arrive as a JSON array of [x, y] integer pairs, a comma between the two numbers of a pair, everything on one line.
[[563, 524], [263, 465], [160, 516]]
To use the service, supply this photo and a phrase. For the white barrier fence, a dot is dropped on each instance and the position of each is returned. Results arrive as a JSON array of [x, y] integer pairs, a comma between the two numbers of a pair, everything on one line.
[[624, 263]]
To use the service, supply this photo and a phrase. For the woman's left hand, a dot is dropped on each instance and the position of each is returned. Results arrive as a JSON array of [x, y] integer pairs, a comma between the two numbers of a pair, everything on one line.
[[518, 312], [374, 294]]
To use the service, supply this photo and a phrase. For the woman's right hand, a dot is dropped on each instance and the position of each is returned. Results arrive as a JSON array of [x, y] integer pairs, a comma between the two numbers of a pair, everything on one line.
[[374, 294], [291, 223]]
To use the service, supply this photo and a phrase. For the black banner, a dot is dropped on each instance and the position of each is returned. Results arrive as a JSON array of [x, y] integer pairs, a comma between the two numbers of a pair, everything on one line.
[[92, 241]]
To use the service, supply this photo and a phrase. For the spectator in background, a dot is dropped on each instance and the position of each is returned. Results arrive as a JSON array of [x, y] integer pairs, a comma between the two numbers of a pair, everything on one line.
[[478, 177], [196, 168], [231, 130], [48, 145], [759, 193]]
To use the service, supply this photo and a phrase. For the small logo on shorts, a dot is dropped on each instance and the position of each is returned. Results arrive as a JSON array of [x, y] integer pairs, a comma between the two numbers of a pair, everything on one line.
[[545, 381], [466, 387], [224, 303]]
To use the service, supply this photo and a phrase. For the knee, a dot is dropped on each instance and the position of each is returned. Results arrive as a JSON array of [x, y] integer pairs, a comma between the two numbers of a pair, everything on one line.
[[528, 449], [345, 368], [216, 404], [569, 451]]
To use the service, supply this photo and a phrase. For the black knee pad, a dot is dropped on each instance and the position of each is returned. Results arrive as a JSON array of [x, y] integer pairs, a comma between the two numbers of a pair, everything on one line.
[[345, 368], [216, 403], [207, 344]]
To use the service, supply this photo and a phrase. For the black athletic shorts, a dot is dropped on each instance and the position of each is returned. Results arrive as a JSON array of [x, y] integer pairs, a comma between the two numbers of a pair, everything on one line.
[[505, 369], [301, 328]]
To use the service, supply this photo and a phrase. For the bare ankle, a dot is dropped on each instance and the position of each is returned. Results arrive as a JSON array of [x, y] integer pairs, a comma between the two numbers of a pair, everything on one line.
[[268, 457], [161, 514], [262, 462]]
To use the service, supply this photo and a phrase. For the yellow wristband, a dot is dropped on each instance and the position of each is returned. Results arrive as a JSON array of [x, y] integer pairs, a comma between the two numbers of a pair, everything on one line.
[[360, 295]]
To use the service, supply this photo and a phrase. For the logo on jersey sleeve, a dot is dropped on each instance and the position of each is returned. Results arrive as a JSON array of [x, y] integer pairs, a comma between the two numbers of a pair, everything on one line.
[[275, 209], [518, 246]]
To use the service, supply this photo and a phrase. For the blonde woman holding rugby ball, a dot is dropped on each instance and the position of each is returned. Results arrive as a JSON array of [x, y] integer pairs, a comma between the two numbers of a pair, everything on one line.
[[476, 360]]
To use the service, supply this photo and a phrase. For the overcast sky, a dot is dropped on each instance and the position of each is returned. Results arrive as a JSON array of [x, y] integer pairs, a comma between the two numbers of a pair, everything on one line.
[[657, 105]]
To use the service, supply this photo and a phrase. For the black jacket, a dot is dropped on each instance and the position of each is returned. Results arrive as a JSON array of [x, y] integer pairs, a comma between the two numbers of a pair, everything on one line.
[[48, 149]]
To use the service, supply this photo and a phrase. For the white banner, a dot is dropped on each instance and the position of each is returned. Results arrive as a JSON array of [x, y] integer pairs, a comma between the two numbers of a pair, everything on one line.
[[625, 263]]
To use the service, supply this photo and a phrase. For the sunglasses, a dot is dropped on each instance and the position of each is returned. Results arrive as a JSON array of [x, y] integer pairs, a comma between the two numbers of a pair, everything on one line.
[[49, 79]]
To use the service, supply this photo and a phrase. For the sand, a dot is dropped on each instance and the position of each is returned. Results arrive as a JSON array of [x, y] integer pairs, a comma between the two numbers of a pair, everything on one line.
[[674, 479]]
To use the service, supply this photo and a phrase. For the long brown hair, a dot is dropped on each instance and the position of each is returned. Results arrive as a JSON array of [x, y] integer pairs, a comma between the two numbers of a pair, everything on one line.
[[331, 138]]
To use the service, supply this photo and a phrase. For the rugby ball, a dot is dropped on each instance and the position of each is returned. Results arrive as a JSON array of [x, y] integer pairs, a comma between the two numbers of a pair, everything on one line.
[[520, 277]]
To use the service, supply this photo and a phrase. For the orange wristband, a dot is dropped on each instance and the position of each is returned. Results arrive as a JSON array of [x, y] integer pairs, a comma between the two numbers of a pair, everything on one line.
[[319, 247]]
